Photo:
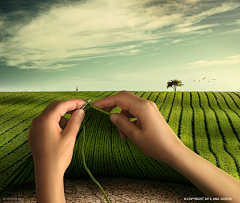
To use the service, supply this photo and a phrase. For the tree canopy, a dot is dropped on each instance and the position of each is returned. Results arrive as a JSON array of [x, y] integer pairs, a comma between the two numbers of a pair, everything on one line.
[[174, 84]]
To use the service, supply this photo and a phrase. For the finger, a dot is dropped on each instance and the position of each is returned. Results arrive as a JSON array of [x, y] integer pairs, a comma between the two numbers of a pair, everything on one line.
[[73, 125], [108, 109], [63, 122], [49, 107], [122, 134], [125, 100], [137, 123], [59, 109], [124, 125], [127, 113]]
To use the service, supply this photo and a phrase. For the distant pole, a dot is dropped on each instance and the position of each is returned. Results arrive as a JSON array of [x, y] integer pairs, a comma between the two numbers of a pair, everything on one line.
[[77, 88]]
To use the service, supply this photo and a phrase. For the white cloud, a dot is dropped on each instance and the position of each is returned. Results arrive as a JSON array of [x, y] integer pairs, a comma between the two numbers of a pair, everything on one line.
[[176, 41], [237, 22], [194, 28], [188, 21], [98, 28], [229, 60]]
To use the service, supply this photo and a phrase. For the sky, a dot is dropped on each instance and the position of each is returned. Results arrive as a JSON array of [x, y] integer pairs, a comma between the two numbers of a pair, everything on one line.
[[104, 45]]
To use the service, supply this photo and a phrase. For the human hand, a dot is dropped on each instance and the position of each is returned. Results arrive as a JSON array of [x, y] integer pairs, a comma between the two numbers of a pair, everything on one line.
[[150, 133], [52, 147], [51, 144]]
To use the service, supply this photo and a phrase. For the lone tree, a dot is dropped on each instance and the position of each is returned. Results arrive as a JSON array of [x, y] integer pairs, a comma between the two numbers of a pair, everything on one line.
[[174, 84]]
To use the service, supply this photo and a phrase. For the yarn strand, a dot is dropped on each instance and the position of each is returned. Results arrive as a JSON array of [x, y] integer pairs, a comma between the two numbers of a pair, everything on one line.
[[88, 171]]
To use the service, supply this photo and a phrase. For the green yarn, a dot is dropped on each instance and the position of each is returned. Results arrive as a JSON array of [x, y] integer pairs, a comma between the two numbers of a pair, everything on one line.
[[83, 157]]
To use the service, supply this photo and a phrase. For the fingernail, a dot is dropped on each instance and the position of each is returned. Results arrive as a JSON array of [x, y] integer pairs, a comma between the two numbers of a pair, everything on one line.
[[81, 113]]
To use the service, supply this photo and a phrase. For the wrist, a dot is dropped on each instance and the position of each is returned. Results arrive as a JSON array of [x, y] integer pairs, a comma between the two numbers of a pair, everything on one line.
[[180, 156], [49, 184]]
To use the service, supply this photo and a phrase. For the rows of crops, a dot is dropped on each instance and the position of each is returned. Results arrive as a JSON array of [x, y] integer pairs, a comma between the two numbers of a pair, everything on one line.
[[206, 122]]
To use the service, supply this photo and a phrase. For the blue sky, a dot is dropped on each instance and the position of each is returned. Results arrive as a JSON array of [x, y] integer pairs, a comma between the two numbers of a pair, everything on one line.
[[101, 45]]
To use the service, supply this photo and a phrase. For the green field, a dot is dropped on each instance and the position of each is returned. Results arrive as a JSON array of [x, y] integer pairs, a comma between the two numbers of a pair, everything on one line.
[[206, 122]]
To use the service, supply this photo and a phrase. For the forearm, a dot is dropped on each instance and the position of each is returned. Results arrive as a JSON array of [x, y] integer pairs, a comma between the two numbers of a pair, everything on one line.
[[49, 186], [211, 180]]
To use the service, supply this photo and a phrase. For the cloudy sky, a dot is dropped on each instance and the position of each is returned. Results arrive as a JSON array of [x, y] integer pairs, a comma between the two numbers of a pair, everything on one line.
[[119, 45]]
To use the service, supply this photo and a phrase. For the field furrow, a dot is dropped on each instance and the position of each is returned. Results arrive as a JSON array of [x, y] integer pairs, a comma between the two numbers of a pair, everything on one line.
[[26, 112], [231, 144], [174, 117], [146, 95], [232, 116], [4, 96], [225, 161], [8, 98], [15, 157], [154, 97], [202, 140], [14, 112], [167, 105], [160, 100], [186, 133], [235, 98], [10, 172]]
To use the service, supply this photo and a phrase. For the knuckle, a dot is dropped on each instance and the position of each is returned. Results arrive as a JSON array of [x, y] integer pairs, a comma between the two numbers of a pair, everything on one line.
[[123, 92], [152, 103], [149, 104]]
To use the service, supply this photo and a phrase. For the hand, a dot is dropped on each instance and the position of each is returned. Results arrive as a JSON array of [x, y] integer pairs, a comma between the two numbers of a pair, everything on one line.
[[52, 147], [150, 133]]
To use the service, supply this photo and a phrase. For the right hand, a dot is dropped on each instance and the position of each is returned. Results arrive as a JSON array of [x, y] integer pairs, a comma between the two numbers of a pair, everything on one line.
[[150, 133]]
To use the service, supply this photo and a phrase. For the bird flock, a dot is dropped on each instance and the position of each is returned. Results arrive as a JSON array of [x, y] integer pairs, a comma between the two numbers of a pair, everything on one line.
[[203, 79]]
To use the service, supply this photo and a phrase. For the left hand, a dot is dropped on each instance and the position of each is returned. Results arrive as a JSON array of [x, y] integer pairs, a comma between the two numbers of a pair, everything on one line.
[[51, 146]]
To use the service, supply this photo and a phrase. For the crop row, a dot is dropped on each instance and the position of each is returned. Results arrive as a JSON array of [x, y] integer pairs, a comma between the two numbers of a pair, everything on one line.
[[232, 114], [201, 137], [167, 105], [12, 141], [160, 100], [231, 144], [5, 96], [14, 112], [175, 115], [14, 122], [154, 96], [20, 173], [8, 97], [225, 161], [20, 103], [186, 132]]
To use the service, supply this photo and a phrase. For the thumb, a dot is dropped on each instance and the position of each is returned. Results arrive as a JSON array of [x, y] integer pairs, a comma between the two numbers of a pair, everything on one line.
[[125, 125], [74, 124]]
